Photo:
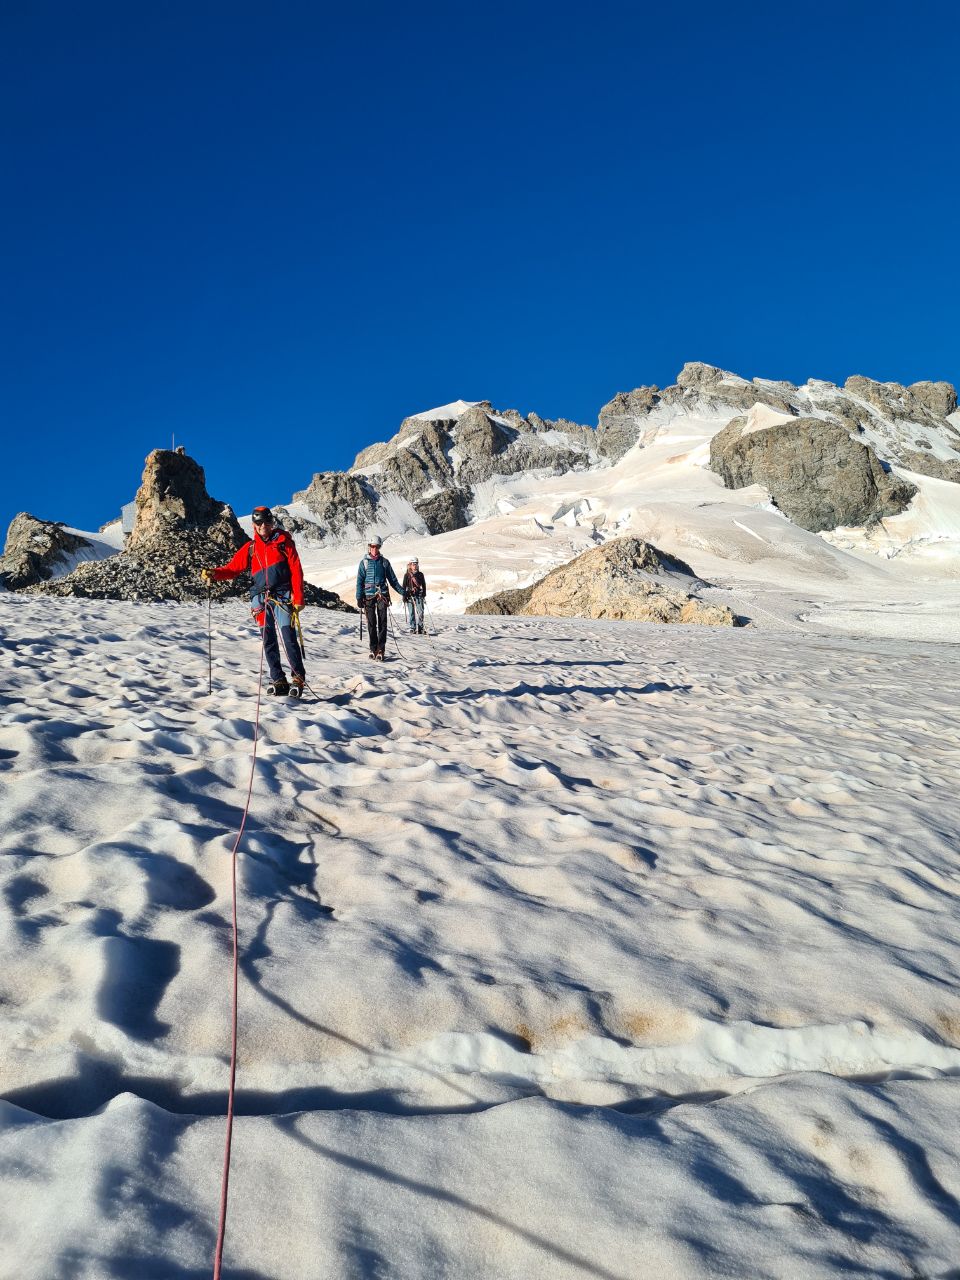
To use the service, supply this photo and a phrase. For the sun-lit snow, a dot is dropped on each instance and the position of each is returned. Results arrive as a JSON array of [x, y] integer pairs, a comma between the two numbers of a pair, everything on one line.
[[665, 492], [568, 948], [446, 412]]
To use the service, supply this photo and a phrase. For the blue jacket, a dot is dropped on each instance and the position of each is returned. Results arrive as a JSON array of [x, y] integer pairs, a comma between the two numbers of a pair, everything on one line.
[[373, 576]]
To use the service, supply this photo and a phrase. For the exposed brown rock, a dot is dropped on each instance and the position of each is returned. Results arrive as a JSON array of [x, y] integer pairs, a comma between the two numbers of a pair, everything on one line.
[[626, 579]]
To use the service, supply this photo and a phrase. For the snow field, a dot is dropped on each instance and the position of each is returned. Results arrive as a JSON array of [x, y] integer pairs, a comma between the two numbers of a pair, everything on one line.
[[568, 948], [525, 525]]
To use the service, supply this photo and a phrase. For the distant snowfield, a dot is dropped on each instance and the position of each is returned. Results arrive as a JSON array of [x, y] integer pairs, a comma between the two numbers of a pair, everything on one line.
[[568, 948], [526, 525]]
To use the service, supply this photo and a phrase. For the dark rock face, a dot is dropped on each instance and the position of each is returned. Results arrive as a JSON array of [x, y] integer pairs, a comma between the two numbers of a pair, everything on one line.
[[815, 472], [340, 500], [444, 456], [34, 549], [621, 421], [179, 530], [627, 578], [443, 511]]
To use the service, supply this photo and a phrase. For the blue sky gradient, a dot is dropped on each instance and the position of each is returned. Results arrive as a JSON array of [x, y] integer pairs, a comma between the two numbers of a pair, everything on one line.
[[274, 231]]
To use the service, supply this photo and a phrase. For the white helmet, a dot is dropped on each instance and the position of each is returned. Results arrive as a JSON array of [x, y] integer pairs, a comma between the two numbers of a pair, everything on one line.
[[375, 541]]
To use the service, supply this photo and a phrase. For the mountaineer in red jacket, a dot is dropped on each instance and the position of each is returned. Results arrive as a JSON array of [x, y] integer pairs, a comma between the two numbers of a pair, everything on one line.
[[276, 595]]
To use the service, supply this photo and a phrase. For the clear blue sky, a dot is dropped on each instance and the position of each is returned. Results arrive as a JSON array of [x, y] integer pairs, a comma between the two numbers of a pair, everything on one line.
[[276, 229]]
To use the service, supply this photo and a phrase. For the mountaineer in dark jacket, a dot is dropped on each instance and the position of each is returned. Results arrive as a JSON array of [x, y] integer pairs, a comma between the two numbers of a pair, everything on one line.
[[414, 595], [276, 595], [374, 576]]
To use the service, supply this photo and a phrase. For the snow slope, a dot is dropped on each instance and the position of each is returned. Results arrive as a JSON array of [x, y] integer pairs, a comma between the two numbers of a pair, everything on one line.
[[525, 525], [569, 948]]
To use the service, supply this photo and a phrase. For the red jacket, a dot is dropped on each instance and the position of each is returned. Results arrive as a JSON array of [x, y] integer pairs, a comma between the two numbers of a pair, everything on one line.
[[273, 564]]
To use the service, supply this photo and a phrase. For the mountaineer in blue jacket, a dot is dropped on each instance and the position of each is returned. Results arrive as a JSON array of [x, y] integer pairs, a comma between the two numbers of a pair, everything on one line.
[[373, 596]]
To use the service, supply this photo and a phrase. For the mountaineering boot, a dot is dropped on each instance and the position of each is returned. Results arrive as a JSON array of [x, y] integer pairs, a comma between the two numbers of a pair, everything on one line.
[[296, 686], [379, 655], [278, 688]]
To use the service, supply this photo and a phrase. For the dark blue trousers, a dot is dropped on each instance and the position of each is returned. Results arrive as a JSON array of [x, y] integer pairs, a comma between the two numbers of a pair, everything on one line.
[[279, 619]]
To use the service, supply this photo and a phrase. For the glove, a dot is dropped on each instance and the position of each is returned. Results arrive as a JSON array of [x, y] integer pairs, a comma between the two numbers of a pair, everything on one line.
[[206, 575]]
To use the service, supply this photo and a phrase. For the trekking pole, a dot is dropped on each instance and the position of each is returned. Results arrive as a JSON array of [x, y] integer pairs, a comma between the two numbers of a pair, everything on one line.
[[209, 642]]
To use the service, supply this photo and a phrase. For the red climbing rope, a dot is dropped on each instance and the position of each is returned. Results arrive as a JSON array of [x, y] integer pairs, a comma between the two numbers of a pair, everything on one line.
[[225, 1181]]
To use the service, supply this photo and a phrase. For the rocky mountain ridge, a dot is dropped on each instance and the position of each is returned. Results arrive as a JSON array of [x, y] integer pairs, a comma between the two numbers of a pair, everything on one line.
[[430, 476], [828, 457]]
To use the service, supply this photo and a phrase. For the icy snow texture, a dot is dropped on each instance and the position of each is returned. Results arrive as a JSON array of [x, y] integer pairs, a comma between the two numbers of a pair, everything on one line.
[[569, 949]]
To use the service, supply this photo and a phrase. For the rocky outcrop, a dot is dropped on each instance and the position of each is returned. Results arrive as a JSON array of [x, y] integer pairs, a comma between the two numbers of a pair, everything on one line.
[[923, 401], [172, 501], [179, 530], [434, 464], [627, 579], [306, 532], [926, 465], [35, 549], [636, 417], [344, 505], [626, 421], [906, 426], [444, 510], [815, 472]]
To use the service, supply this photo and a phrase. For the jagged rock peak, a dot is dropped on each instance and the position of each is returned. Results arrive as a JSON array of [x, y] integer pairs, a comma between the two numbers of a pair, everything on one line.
[[917, 402], [179, 530], [35, 549], [425, 477], [173, 497]]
